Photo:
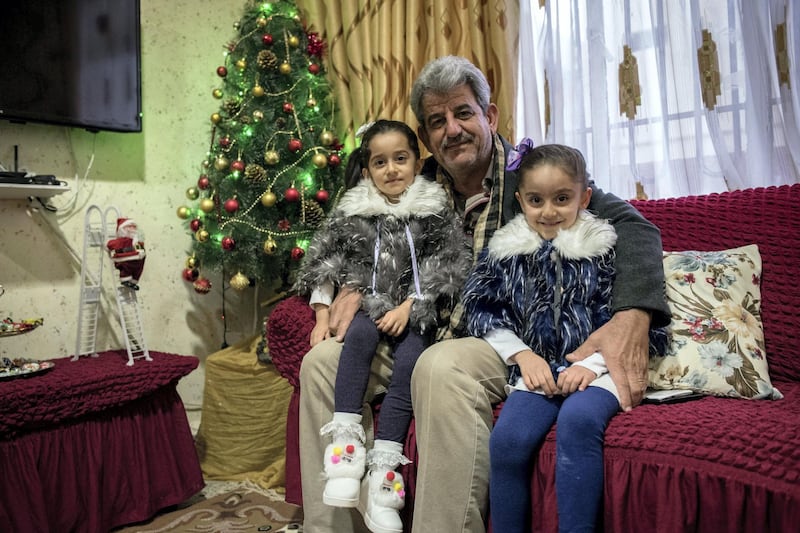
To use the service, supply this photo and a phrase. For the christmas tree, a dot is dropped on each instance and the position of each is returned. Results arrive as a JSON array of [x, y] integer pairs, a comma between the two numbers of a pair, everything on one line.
[[274, 164]]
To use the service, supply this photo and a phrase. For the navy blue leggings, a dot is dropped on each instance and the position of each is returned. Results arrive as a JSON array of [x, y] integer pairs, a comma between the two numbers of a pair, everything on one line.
[[352, 376], [524, 421]]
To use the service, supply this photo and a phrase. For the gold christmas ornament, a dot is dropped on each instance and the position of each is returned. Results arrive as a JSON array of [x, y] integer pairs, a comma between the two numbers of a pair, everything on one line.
[[268, 199], [221, 163], [285, 68], [240, 282], [319, 160], [270, 246], [217, 93], [192, 193], [183, 212], [241, 64], [258, 116], [202, 235], [258, 91], [294, 42], [326, 137], [271, 157], [206, 205], [191, 262], [311, 102], [215, 118], [261, 22]]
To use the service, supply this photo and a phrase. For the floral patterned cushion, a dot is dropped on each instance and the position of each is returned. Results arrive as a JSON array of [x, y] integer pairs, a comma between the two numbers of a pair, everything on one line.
[[718, 339]]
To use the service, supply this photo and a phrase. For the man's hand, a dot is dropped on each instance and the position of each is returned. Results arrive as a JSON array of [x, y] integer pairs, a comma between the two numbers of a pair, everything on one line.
[[624, 343], [343, 309]]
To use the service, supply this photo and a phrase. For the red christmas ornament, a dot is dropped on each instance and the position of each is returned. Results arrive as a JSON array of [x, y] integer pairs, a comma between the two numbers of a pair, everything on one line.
[[288, 107], [295, 145], [267, 39], [202, 286], [195, 224], [190, 274], [225, 142], [238, 165], [228, 243], [284, 224], [203, 183], [334, 160], [313, 68], [297, 253], [322, 196], [222, 72], [291, 194], [316, 46], [231, 205]]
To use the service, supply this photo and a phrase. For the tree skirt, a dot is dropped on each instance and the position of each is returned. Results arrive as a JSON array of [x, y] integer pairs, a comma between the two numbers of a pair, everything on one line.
[[243, 508]]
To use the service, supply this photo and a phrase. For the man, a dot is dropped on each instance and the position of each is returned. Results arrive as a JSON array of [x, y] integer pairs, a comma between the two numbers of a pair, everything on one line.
[[456, 382]]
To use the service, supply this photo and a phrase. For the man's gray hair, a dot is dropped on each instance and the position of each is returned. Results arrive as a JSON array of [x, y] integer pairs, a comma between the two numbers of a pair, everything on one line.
[[442, 75]]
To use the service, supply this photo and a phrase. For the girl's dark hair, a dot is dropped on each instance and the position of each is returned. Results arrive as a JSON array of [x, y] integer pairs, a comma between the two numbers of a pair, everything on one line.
[[566, 158], [359, 158]]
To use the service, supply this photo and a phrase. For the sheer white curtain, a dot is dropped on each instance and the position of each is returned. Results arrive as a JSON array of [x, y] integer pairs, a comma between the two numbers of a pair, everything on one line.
[[671, 140]]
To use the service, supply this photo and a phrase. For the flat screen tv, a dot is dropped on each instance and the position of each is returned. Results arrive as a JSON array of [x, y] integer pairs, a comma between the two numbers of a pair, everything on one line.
[[72, 63]]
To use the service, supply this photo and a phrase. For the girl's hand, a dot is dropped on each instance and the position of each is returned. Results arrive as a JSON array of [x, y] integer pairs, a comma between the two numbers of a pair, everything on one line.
[[575, 378], [536, 372], [319, 333], [394, 322], [321, 329]]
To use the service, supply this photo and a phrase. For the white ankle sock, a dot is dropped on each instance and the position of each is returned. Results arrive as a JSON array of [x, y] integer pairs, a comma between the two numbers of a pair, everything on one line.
[[347, 418], [388, 446]]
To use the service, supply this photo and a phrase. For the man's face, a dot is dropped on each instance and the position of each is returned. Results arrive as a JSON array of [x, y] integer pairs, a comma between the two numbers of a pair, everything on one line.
[[457, 132]]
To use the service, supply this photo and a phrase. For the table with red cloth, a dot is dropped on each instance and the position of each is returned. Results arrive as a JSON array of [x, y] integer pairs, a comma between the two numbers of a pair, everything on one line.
[[93, 444]]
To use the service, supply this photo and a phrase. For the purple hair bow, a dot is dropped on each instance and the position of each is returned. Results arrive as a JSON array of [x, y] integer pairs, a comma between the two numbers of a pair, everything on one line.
[[515, 155]]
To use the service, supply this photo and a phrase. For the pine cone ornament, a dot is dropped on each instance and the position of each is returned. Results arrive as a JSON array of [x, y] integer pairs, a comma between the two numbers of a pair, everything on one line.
[[232, 107], [267, 59], [253, 172], [313, 213]]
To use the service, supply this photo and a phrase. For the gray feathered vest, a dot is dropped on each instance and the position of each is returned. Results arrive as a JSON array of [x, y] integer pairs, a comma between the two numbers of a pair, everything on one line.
[[343, 252]]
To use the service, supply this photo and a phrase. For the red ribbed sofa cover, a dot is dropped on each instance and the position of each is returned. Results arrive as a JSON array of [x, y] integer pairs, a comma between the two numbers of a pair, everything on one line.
[[714, 464]]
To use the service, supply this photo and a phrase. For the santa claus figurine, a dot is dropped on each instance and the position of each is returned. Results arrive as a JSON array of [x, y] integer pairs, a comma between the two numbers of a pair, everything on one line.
[[127, 252]]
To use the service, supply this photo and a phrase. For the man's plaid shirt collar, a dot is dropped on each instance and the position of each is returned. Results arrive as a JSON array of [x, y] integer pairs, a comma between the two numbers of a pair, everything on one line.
[[489, 221]]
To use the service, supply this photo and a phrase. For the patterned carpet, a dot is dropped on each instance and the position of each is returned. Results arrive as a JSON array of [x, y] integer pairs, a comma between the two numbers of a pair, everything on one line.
[[227, 507]]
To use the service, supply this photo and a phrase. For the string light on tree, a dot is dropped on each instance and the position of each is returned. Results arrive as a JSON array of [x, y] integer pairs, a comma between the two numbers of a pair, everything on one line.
[[273, 159]]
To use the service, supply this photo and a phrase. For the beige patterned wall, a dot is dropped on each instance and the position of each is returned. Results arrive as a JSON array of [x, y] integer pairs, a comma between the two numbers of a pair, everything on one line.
[[145, 175]]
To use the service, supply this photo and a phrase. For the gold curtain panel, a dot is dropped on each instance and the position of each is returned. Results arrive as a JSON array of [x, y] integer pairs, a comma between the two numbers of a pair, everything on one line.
[[708, 65], [630, 92], [376, 50]]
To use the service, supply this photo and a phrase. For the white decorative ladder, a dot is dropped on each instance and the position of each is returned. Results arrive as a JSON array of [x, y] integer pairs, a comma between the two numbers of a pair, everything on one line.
[[97, 230]]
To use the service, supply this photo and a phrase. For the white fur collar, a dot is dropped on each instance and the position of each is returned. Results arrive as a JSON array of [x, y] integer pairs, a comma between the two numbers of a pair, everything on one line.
[[422, 198], [588, 237]]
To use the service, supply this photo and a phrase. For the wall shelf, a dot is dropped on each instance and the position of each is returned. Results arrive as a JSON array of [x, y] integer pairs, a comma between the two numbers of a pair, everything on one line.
[[12, 191]]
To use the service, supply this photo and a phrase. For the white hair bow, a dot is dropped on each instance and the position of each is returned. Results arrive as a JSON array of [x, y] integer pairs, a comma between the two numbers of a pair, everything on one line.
[[363, 129]]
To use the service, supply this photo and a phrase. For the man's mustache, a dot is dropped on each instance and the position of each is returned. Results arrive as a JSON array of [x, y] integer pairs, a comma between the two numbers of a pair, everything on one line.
[[462, 138]]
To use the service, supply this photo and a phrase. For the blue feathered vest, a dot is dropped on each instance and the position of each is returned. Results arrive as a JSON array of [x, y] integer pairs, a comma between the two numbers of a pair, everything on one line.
[[551, 294]]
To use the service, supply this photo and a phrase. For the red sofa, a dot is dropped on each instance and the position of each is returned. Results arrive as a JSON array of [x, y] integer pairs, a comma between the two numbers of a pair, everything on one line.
[[714, 464]]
